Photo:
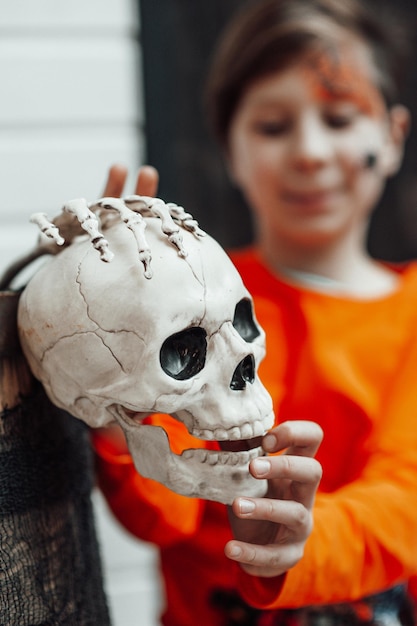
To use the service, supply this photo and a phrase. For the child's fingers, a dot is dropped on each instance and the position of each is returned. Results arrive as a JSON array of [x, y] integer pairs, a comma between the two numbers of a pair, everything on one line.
[[266, 561], [295, 524], [289, 513], [115, 182], [147, 181], [300, 476], [298, 437]]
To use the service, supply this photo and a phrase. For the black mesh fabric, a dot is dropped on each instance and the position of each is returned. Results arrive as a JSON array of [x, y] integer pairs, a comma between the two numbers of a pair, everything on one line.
[[50, 569]]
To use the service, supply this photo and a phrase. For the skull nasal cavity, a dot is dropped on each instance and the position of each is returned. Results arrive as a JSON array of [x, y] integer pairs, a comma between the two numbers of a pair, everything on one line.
[[244, 373]]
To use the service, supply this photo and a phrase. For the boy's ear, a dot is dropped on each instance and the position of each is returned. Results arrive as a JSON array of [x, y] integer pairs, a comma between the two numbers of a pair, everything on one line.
[[399, 125]]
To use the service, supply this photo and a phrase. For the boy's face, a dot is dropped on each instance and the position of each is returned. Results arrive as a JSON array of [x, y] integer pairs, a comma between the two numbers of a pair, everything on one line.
[[312, 145]]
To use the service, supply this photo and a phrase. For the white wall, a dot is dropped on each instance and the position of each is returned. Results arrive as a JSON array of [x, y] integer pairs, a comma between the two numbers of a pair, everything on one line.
[[132, 580], [70, 105]]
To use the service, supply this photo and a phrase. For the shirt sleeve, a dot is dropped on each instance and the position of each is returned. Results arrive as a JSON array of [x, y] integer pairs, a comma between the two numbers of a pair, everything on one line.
[[146, 508], [365, 534]]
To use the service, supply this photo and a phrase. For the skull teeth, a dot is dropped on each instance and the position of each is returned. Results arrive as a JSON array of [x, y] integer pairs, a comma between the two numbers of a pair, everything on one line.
[[234, 433], [211, 457], [249, 430]]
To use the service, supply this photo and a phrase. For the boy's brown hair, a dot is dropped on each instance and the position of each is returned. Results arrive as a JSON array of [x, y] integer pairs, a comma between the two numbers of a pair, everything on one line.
[[269, 35]]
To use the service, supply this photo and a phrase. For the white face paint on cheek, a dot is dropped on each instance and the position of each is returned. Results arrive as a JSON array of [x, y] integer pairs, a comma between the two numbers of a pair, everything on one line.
[[365, 147]]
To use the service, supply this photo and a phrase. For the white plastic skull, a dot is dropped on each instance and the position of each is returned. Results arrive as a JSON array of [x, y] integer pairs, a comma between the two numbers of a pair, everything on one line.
[[109, 344]]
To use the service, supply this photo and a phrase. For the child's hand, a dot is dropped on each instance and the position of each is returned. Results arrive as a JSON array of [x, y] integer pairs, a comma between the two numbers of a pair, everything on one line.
[[146, 182], [271, 532]]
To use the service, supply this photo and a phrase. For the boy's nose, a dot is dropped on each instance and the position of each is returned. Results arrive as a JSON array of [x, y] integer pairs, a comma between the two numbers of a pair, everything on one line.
[[312, 145]]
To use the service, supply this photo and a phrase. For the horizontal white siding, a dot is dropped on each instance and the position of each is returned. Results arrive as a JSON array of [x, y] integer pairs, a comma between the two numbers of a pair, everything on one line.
[[70, 105], [132, 579]]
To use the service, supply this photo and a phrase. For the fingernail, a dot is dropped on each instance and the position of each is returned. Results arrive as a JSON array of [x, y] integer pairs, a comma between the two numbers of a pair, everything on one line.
[[246, 506], [261, 466], [269, 442], [235, 552]]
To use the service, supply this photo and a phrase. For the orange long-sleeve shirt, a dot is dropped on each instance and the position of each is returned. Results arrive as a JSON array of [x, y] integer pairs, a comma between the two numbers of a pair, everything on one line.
[[348, 364]]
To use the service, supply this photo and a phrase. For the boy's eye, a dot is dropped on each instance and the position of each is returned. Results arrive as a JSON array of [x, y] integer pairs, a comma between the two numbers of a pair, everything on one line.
[[338, 121], [271, 128], [340, 118]]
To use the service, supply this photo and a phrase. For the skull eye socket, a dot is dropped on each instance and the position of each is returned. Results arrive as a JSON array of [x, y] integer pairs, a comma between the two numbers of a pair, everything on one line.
[[183, 354], [243, 321]]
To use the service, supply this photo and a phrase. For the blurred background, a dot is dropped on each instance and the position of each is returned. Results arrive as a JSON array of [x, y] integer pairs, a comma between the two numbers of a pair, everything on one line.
[[87, 84]]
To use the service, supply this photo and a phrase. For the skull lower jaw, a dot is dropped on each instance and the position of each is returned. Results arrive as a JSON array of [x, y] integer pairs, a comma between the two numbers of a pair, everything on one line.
[[218, 475], [215, 475]]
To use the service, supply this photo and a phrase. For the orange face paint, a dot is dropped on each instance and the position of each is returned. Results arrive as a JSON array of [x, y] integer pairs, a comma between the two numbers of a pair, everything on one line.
[[334, 78]]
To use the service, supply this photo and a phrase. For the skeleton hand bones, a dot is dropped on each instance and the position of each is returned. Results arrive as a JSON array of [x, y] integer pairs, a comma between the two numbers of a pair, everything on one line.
[[78, 216]]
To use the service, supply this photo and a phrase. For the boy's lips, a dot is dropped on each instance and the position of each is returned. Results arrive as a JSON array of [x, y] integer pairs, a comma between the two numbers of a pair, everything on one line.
[[312, 197]]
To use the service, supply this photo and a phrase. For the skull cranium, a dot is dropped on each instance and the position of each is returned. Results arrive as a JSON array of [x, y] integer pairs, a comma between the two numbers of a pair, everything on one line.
[[109, 344]]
